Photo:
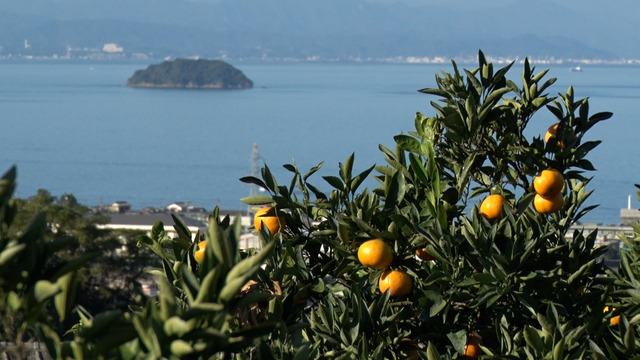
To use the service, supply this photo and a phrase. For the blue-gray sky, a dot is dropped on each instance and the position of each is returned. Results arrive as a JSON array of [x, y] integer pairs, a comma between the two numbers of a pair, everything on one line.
[[589, 25]]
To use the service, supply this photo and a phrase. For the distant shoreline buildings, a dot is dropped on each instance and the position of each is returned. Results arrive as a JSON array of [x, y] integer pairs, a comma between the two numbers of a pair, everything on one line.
[[115, 52]]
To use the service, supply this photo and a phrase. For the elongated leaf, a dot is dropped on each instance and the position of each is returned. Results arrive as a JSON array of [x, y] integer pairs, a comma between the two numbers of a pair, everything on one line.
[[347, 168], [220, 247], [335, 182], [157, 232], [313, 170], [359, 179], [418, 168], [7, 185], [10, 253], [253, 180], [395, 191], [269, 180], [184, 234], [250, 262], [534, 340], [257, 200], [407, 143]]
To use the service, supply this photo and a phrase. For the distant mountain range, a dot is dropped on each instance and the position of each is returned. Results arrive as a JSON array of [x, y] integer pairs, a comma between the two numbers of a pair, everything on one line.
[[323, 30]]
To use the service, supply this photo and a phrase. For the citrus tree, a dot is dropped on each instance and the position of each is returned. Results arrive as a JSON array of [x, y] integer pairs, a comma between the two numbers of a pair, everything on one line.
[[34, 278], [461, 250], [471, 217]]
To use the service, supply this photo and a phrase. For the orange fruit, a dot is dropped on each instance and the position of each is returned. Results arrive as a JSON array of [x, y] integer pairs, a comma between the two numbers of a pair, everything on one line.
[[549, 205], [548, 183], [201, 248], [423, 254], [375, 254], [275, 224], [552, 130], [409, 347], [615, 320], [398, 282], [472, 349], [491, 207]]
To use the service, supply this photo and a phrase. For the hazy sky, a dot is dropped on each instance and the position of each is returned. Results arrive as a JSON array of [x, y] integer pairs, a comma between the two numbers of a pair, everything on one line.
[[608, 25]]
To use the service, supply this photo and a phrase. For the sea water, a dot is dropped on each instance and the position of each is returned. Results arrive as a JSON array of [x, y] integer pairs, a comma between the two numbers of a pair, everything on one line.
[[73, 127]]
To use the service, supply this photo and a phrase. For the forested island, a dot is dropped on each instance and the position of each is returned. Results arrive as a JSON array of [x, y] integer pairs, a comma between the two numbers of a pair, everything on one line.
[[190, 74]]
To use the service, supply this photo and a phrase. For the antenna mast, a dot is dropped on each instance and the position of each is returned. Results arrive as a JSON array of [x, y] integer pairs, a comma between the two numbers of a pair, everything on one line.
[[255, 167]]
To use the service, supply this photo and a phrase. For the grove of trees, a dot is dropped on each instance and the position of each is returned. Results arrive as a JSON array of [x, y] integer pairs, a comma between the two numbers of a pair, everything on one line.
[[500, 279]]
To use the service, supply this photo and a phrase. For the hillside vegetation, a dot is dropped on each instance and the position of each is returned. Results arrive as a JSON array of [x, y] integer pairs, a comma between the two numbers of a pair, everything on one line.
[[191, 74]]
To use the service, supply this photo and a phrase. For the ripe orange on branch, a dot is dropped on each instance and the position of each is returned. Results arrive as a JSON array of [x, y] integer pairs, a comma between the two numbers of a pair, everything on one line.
[[375, 254], [398, 282], [275, 224], [615, 320], [472, 350], [549, 205], [201, 248], [548, 183], [491, 207], [552, 131], [423, 254]]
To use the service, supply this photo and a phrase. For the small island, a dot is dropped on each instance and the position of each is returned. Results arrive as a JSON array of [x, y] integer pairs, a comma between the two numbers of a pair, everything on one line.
[[190, 74]]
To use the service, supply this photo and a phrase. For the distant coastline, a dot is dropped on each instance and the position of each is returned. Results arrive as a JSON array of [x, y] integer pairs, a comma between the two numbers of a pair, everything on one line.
[[99, 56]]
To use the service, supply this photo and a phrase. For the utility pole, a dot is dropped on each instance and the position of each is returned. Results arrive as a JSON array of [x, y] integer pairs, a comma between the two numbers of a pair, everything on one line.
[[255, 169]]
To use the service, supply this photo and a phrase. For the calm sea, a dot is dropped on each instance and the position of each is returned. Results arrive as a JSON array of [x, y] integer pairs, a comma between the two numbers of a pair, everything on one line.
[[75, 128]]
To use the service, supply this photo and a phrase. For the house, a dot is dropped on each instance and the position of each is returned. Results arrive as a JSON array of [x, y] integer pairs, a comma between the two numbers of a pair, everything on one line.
[[119, 207], [145, 222], [178, 206]]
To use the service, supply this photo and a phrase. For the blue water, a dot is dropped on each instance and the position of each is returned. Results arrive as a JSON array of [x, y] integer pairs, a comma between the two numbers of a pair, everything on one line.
[[75, 128]]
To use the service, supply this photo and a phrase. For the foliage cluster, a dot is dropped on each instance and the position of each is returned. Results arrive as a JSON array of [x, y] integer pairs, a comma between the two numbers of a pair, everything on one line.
[[520, 286]]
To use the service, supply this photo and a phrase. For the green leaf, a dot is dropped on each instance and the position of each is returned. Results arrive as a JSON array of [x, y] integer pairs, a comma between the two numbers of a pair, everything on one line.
[[10, 253], [303, 352], [220, 247], [257, 200], [181, 348], [357, 181], [44, 290], [249, 263], [313, 171], [407, 143], [65, 300], [335, 182], [175, 326], [419, 169], [534, 340], [184, 234], [269, 179], [253, 180], [157, 232], [7, 185], [458, 340], [396, 190], [432, 352], [347, 168]]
